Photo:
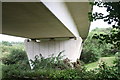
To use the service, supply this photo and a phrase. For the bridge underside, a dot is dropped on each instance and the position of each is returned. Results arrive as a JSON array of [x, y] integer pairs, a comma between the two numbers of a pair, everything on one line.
[[46, 21]]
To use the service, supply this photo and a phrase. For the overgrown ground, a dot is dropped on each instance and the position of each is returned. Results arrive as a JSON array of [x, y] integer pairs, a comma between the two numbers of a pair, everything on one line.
[[96, 63]]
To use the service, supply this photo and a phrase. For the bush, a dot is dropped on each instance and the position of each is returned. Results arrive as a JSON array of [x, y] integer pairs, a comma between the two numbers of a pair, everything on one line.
[[89, 56], [47, 74], [53, 62], [117, 62], [6, 43], [16, 66], [93, 49], [15, 62], [105, 72], [16, 56], [68, 74]]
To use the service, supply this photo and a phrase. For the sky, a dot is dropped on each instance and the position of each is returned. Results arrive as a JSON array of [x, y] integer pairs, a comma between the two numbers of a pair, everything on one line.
[[95, 24]]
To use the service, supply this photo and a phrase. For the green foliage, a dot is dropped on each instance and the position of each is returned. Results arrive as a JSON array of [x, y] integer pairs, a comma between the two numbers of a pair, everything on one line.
[[54, 62], [117, 61], [69, 74], [89, 56], [108, 60], [14, 60], [106, 72], [51, 72], [113, 38], [6, 43], [6, 49], [15, 56], [92, 49], [113, 15], [16, 67]]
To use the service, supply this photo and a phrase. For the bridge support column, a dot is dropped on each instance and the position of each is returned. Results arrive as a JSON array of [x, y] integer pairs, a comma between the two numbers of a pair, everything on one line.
[[71, 47]]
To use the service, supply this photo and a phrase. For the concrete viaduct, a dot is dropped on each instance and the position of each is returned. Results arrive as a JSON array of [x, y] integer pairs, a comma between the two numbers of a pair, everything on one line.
[[50, 27]]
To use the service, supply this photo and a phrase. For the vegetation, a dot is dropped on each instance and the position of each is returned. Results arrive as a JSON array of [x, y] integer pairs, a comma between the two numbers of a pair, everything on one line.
[[105, 39], [93, 49], [108, 60], [113, 16], [102, 72], [53, 62], [15, 65], [100, 55]]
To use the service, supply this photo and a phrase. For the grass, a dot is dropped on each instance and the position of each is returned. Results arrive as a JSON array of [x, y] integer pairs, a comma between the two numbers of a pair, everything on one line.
[[107, 60]]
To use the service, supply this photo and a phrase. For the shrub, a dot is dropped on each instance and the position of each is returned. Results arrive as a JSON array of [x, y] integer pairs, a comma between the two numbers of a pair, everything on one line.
[[89, 56], [16, 56], [6, 43], [105, 72], [68, 74], [93, 49], [16, 67], [93, 45], [54, 62], [14, 63], [117, 62]]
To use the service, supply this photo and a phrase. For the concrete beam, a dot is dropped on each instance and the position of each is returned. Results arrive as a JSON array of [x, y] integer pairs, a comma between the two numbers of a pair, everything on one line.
[[79, 12], [45, 20], [59, 9]]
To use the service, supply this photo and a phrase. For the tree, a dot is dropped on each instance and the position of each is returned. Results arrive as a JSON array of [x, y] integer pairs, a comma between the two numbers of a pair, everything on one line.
[[113, 16], [113, 10]]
